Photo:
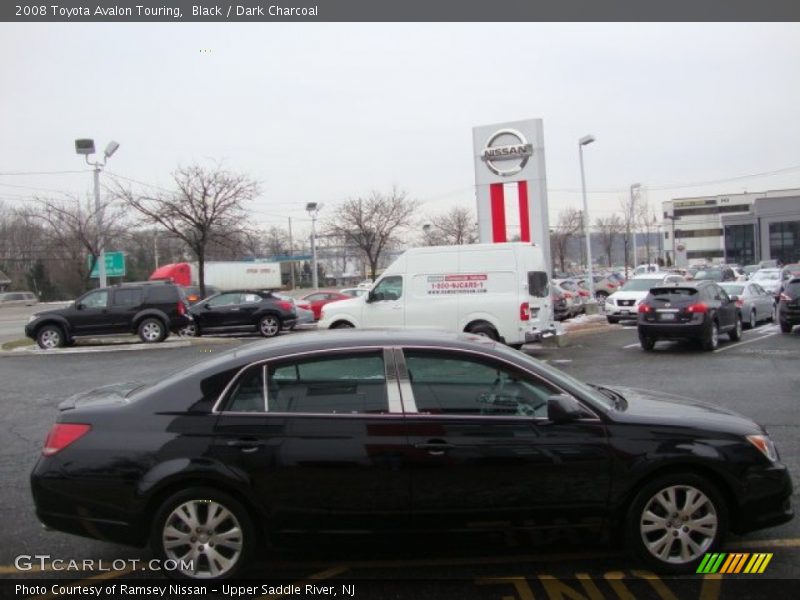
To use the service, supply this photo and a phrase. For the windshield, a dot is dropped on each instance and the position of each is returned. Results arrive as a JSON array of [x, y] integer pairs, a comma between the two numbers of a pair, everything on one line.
[[765, 276], [640, 285], [711, 275], [736, 290]]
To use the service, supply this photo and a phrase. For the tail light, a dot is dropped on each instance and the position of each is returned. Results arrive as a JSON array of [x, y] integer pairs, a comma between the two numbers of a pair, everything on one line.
[[181, 308], [785, 297], [612, 286], [645, 308], [524, 312], [583, 293], [62, 435], [567, 295], [285, 305], [739, 303], [698, 307]]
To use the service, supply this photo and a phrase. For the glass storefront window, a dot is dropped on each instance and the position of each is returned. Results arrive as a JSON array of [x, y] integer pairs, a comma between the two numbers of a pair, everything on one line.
[[740, 245], [783, 241]]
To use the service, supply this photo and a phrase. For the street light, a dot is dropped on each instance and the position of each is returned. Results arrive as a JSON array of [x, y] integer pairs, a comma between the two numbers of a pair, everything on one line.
[[585, 141], [312, 208], [632, 218], [86, 147]]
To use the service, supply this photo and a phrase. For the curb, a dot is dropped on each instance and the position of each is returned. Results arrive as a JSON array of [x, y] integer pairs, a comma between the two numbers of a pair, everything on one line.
[[115, 345]]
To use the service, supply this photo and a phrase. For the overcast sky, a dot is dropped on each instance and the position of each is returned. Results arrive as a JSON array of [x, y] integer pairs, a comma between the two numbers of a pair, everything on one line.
[[321, 112]]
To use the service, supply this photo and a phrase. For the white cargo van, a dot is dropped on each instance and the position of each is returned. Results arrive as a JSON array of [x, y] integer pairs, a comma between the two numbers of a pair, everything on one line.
[[497, 290]]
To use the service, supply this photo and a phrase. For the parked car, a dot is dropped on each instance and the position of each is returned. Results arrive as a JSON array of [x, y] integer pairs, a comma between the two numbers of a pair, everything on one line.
[[624, 303], [243, 310], [319, 299], [193, 295], [769, 279], [354, 292], [305, 316], [561, 308], [750, 269], [603, 287], [717, 274], [790, 271], [18, 298], [789, 306], [690, 311], [575, 305], [389, 430], [754, 302], [646, 268], [151, 309]]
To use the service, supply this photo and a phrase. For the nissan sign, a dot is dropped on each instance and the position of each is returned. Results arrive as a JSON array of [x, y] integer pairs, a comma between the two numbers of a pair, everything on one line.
[[506, 152]]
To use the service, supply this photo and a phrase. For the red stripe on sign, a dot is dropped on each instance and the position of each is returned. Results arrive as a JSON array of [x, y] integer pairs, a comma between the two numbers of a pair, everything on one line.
[[498, 213], [524, 221]]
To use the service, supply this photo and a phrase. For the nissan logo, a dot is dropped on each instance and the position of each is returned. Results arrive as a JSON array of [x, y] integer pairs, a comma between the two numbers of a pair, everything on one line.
[[505, 146]]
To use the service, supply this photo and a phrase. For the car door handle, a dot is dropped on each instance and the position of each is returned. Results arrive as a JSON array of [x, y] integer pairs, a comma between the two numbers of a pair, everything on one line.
[[435, 447], [246, 444]]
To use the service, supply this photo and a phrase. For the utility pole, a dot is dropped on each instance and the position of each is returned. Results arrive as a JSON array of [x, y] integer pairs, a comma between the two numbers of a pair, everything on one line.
[[313, 211], [291, 253], [634, 188], [583, 236], [155, 247]]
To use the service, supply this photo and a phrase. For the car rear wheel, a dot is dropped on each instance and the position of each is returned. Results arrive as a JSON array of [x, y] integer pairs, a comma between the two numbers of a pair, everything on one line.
[[711, 340], [601, 297], [207, 533], [484, 330], [269, 326], [674, 521], [190, 330], [50, 336], [785, 327], [152, 331], [612, 320], [648, 342], [735, 334], [342, 325], [753, 319]]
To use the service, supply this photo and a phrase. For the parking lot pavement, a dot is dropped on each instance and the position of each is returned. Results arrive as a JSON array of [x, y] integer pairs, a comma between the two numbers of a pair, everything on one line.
[[757, 377]]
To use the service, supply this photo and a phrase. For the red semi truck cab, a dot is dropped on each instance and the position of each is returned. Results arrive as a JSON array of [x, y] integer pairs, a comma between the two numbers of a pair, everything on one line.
[[179, 273]]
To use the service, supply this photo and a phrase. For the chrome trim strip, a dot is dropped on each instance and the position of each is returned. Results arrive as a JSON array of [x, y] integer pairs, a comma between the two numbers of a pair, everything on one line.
[[406, 391], [392, 384], [295, 415]]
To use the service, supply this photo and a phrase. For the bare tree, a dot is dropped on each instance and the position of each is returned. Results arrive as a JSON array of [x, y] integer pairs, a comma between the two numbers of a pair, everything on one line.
[[456, 227], [71, 226], [373, 223], [648, 220], [628, 208], [206, 208], [569, 223], [609, 229]]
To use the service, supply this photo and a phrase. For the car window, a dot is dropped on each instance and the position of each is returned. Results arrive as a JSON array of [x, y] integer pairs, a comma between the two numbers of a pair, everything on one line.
[[250, 298], [459, 384], [352, 383], [247, 393], [98, 299], [389, 288], [722, 295], [162, 294], [127, 297], [793, 288], [315, 297], [224, 300]]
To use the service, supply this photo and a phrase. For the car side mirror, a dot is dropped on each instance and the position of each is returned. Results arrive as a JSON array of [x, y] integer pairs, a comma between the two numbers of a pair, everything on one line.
[[80, 305], [370, 297], [206, 306], [563, 408]]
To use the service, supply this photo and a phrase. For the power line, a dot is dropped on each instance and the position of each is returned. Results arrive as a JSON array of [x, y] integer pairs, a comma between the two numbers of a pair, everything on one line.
[[9, 173]]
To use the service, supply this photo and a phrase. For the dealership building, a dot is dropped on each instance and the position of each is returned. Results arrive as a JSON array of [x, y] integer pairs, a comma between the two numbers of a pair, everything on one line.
[[733, 228]]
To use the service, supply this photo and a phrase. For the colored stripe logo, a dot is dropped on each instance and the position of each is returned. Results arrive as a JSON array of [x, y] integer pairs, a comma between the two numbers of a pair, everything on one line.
[[734, 563]]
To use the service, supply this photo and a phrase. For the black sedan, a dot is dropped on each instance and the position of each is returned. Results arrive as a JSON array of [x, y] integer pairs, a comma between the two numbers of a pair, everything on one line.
[[398, 431], [242, 310]]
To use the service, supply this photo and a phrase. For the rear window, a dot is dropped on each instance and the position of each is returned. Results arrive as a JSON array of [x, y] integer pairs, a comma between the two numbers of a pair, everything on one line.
[[537, 283], [793, 288], [639, 285], [673, 294], [736, 290], [710, 275]]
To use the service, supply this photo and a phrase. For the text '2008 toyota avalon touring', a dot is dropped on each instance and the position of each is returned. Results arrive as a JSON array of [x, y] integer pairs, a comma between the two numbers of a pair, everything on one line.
[[398, 431]]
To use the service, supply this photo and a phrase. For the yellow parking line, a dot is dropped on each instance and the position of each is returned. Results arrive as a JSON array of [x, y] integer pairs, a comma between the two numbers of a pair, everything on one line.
[[326, 574]]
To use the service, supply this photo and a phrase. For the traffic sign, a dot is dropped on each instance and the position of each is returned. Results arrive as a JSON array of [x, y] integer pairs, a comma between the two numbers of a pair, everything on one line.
[[115, 265]]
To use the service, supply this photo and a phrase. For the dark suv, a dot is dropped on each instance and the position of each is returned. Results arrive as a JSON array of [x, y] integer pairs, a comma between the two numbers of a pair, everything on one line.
[[242, 310], [149, 309], [789, 306], [697, 311]]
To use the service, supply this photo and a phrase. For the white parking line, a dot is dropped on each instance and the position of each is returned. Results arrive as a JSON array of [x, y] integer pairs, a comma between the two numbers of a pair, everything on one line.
[[631, 346], [737, 344]]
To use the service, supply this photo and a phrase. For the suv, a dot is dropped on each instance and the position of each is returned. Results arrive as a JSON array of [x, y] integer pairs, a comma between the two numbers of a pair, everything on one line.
[[698, 310], [623, 303], [789, 306], [150, 309]]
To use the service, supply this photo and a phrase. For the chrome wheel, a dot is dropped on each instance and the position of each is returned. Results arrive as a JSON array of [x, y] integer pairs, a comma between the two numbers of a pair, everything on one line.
[[50, 338], [269, 326], [151, 331], [204, 538], [678, 524]]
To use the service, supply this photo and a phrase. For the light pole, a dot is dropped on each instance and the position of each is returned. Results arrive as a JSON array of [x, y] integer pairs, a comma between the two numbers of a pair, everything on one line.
[[313, 211], [584, 141], [86, 147], [634, 188], [672, 218]]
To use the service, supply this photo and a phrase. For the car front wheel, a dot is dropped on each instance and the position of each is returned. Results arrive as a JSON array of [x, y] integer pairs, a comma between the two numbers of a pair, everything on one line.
[[208, 534], [674, 521], [50, 337], [786, 327], [269, 326]]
